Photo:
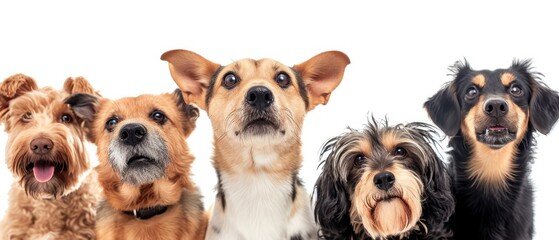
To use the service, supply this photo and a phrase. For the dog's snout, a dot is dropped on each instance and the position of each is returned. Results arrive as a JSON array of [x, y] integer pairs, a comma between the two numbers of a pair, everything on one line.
[[384, 180], [259, 97], [41, 145], [495, 107], [132, 134]]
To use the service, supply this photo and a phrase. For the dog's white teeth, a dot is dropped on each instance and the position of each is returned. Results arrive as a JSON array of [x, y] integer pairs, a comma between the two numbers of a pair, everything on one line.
[[487, 131]]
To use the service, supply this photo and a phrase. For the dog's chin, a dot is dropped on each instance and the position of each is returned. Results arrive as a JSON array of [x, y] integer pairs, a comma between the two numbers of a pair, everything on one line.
[[495, 136], [141, 170], [391, 216]]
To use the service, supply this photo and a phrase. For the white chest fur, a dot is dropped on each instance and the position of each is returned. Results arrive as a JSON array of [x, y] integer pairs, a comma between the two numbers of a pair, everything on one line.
[[258, 206]]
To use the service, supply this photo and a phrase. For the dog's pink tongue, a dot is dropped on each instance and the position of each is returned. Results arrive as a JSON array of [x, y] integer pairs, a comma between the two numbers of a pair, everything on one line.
[[43, 171]]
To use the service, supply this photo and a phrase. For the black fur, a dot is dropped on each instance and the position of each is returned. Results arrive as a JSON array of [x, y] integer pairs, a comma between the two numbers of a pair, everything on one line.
[[482, 211], [340, 175]]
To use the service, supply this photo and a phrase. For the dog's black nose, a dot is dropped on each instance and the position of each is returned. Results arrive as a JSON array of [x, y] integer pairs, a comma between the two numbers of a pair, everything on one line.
[[132, 133], [41, 145], [259, 97], [384, 180], [495, 107]]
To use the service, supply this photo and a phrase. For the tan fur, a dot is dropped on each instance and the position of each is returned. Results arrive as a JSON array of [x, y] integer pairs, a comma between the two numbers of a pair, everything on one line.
[[479, 80], [383, 219], [489, 166], [397, 216], [507, 79], [28, 112], [276, 154], [185, 218]]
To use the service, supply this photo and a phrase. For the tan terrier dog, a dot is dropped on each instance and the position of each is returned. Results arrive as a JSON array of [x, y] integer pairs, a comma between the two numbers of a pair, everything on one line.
[[54, 195], [144, 167], [257, 109]]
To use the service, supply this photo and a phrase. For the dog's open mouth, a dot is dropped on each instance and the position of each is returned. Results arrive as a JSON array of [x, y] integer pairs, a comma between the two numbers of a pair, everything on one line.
[[261, 122], [262, 125], [43, 170], [139, 160], [496, 136]]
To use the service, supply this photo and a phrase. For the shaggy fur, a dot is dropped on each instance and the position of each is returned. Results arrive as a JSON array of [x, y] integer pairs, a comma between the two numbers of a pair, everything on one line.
[[383, 182], [491, 118], [144, 167], [257, 109], [54, 195]]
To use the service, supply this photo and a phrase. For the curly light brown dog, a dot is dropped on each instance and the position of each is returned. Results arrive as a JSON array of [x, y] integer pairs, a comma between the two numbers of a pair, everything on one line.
[[54, 195], [144, 166]]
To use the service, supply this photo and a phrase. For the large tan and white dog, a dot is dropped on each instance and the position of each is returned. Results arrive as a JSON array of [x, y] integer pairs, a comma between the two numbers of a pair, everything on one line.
[[257, 109]]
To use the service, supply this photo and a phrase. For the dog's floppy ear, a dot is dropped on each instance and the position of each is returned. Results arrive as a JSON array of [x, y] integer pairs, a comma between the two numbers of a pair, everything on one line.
[[13, 87], [17, 85], [78, 85], [321, 75], [443, 108], [192, 73], [332, 201], [544, 108], [438, 202], [85, 106], [544, 102], [190, 112]]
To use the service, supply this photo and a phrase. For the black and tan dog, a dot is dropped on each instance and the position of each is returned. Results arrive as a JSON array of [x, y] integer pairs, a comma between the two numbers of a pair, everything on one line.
[[144, 167], [491, 117], [384, 182], [257, 109]]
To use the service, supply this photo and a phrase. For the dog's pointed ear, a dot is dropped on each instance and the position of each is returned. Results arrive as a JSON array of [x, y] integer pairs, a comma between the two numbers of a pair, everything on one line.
[[78, 85], [192, 73], [13, 87], [321, 75], [332, 201], [85, 106], [443, 108], [190, 112]]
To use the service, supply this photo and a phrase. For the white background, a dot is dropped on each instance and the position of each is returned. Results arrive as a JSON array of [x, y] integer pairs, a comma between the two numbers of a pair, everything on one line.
[[400, 51]]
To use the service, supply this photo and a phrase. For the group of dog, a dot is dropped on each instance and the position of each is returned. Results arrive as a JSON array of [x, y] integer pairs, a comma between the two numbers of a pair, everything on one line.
[[380, 182]]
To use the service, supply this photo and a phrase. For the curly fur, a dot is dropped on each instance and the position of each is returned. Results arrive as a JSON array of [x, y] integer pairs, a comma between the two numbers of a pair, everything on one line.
[[64, 206]]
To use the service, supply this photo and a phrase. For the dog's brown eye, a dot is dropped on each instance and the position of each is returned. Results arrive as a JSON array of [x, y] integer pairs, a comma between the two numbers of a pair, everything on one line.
[[283, 79], [230, 80], [400, 151], [111, 123], [359, 159], [65, 118], [515, 90], [27, 117], [158, 117], [471, 93]]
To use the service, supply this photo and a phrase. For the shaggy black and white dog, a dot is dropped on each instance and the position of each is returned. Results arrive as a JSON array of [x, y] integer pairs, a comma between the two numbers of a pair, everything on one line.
[[383, 182], [491, 117]]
